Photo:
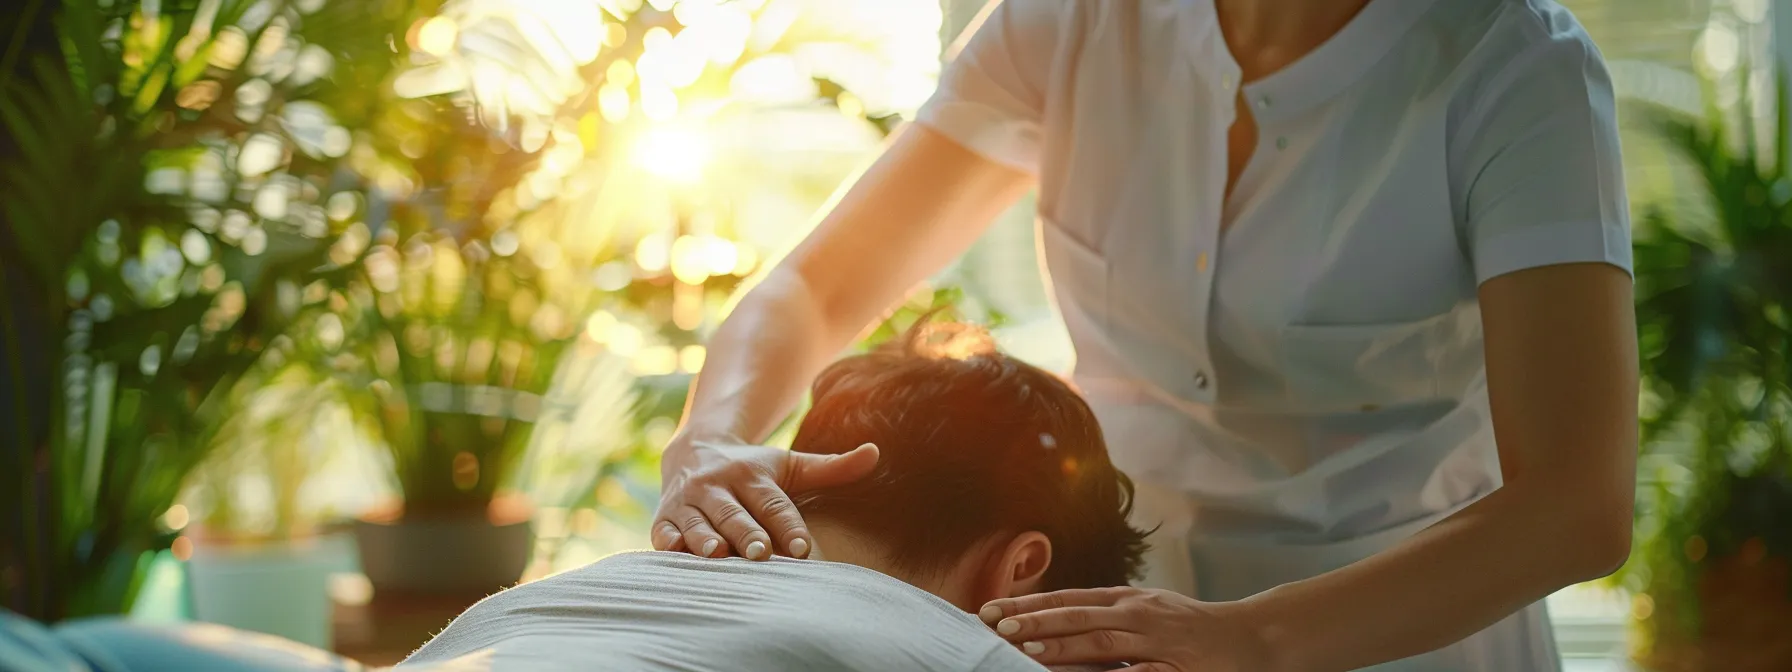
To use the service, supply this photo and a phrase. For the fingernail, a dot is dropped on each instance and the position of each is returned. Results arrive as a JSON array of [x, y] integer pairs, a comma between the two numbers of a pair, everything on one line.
[[1033, 648], [799, 547], [1008, 627], [756, 550], [990, 614], [709, 547]]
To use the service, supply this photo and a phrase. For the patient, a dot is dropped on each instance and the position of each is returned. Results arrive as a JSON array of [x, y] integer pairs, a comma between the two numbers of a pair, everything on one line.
[[993, 481]]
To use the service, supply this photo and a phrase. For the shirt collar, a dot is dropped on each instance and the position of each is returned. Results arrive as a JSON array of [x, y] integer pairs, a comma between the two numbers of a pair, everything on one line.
[[1321, 75]]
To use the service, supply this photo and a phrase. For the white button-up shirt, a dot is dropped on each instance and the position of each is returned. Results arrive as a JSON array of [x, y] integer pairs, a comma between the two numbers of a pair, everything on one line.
[[1303, 360]]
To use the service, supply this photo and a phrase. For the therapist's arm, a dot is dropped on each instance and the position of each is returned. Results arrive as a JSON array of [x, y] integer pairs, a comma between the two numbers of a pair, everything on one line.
[[921, 204], [1562, 379], [1561, 373]]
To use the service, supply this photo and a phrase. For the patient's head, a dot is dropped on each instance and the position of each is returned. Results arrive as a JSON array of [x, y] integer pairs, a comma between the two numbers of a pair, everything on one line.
[[993, 478]]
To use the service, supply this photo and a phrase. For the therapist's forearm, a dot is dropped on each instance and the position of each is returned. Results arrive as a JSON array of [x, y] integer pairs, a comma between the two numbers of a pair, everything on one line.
[[1562, 385], [760, 362], [921, 204], [1467, 572]]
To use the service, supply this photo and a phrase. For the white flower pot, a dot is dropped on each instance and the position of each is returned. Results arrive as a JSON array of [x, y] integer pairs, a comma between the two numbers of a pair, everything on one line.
[[279, 588]]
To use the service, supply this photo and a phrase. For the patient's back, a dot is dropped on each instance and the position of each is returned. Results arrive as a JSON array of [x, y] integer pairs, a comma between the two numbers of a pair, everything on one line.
[[671, 611]]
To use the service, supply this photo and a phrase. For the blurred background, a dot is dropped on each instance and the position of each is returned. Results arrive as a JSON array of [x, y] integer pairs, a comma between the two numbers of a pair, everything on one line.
[[299, 293]]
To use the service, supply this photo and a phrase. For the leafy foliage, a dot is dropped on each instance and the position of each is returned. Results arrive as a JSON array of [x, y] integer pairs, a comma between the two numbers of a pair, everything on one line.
[[166, 203], [475, 344], [524, 239], [197, 183], [1713, 297]]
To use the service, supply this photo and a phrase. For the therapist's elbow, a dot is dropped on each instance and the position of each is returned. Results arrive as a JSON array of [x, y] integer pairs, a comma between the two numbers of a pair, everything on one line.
[[1600, 541], [1607, 549], [1580, 527]]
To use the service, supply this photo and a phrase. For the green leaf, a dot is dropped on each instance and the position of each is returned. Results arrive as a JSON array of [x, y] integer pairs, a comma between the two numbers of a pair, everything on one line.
[[151, 90], [79, 28], [29, 230]]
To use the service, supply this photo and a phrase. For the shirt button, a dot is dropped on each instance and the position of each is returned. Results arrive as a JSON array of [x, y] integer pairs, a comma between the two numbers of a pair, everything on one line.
[[1263, 103], [1201, 262], [1226, 82], [1200, 380], [1282, 142]]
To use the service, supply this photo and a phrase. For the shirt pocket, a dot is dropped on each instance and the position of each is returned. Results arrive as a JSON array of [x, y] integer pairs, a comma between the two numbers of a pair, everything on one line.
[[1369, 366], [1077, 280]]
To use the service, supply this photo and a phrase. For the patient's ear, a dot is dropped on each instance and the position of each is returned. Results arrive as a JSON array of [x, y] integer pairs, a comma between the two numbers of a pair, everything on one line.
[[1021, 565]]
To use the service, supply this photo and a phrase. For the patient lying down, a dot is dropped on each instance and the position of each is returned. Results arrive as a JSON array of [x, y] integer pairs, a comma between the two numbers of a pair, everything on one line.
[[993, 481]]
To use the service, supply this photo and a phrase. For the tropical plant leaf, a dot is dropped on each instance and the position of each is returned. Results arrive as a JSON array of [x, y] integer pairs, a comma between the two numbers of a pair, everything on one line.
[[1712, 308]]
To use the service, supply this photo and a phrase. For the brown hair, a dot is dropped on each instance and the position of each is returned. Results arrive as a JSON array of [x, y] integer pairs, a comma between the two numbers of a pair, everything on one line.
[[973, 443]]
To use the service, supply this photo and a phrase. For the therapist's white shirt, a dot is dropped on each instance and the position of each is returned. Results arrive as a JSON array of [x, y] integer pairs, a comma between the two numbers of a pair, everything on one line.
[[1302, 362]]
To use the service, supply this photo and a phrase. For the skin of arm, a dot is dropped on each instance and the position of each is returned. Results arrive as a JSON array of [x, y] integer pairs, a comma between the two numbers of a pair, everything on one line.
[[1561, 357], [918, 206], [1562, 379]]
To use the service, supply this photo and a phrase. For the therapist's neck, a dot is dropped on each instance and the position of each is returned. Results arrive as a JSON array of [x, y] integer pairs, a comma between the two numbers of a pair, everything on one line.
[[1266, 35]]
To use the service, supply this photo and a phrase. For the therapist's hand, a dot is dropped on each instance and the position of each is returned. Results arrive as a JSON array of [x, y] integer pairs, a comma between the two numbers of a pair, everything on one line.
[[721, 498], [1155, 630]]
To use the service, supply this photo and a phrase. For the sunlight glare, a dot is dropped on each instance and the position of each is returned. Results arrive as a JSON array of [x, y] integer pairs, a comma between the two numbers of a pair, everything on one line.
[[654, 253], [675, 154], [437, 36], [600, 325], [613, 102], [691, 358], [745, 260], [688, 263], [658, 102], [620, 73], [721, 255]]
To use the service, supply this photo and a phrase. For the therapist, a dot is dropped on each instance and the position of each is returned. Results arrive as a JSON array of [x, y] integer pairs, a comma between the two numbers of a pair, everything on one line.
[[1348, 286]]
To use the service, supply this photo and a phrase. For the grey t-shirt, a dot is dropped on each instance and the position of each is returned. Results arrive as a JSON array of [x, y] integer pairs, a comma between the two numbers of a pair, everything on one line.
[[652, 611]]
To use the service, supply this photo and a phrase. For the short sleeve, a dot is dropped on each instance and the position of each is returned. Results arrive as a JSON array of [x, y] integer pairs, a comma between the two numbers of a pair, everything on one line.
[[1538, 169], [991, 96]]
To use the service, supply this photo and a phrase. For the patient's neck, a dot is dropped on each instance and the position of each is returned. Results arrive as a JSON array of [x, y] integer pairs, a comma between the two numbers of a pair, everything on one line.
[[837, 543]]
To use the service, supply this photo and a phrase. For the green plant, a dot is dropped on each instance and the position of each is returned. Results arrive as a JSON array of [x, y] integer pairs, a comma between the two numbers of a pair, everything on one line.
[[1714, 290], [165, 220], [467, 345], [534, 205], [287, 423], [456, 327]]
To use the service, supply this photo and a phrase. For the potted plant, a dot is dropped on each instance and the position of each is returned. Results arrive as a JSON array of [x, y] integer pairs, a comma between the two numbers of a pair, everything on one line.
[[470, 315], [1714, 291], [256, 556], [597, 200], [465, 347], [165, 220]]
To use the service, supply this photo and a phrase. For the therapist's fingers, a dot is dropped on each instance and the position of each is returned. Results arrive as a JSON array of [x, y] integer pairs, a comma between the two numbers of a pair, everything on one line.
[[735, 523], [1063, 622], [809, 471], [773, 509], [696, 533], [995, 610], [666, 536], [1096, 646]]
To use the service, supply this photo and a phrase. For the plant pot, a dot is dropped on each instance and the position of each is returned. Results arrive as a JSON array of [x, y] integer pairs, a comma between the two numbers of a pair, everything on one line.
[[470, 554], [277, 587], [1744, 615]]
